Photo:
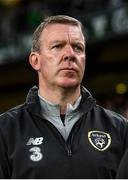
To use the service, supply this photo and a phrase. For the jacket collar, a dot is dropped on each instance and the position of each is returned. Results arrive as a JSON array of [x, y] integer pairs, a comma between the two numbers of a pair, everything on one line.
[[33, 104], [87, 102]]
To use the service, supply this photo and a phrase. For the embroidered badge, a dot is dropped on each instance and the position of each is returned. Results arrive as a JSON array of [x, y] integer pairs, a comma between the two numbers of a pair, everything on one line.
[[99, 140]]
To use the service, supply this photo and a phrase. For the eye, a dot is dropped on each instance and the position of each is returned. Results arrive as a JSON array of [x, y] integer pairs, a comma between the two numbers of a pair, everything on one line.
[[57, 46], [78, 48]]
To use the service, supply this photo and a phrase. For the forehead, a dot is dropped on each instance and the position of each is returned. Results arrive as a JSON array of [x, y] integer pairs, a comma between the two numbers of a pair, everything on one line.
[[62, 31]]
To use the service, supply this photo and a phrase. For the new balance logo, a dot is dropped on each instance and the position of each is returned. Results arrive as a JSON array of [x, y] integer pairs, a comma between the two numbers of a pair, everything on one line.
[[36, 141]]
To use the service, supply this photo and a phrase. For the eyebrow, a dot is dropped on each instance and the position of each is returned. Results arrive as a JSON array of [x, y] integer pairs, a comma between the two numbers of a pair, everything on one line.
[[64, 41], [57, 41]]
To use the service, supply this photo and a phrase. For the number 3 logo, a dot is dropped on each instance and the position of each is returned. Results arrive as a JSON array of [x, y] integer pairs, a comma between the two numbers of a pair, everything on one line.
[[36, 154]]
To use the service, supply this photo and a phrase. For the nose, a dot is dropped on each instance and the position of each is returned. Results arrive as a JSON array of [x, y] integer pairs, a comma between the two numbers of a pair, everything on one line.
[[69, 53]]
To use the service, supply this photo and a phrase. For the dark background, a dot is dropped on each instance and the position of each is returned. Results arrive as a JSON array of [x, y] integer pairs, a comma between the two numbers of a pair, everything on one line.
[[106, 30]]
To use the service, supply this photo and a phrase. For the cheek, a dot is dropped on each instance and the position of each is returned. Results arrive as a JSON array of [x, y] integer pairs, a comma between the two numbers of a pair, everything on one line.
[[43, 66], [82, 64], [44, 61], [47, 66]]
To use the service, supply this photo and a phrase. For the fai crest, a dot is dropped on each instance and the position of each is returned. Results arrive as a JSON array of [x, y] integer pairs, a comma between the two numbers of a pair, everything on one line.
[[99, 140]]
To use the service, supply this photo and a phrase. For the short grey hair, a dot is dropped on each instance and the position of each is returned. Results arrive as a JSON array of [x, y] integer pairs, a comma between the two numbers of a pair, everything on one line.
[[61, 19]]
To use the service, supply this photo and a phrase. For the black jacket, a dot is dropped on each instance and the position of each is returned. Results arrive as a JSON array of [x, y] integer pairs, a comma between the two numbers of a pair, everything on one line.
[[31, 147], [122, 172]]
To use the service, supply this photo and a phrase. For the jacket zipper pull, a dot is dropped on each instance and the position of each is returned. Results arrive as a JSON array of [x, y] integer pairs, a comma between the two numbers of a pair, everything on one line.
[[69, 152]]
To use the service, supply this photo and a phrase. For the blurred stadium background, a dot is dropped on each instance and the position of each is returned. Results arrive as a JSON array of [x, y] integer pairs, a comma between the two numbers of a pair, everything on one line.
[[106, 24]]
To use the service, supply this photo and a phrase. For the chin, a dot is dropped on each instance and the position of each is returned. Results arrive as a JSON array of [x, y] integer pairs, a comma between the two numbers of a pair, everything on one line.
[[69, 84]]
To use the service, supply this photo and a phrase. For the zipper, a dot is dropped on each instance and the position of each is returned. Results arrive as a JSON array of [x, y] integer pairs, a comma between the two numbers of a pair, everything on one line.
[[69, 152], [69, 143]]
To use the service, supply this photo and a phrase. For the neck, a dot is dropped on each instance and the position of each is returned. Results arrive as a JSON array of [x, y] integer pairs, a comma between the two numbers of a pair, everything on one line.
[[60, 96]]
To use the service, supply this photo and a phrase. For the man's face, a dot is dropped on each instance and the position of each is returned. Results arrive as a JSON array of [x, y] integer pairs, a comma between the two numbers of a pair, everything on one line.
[[62, 56]]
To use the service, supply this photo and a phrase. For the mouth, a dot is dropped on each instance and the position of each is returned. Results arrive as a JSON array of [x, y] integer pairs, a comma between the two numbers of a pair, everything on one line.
[[69, 69]]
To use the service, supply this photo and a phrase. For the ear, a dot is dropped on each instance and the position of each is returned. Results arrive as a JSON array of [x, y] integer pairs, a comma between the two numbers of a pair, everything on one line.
[[34, 60]]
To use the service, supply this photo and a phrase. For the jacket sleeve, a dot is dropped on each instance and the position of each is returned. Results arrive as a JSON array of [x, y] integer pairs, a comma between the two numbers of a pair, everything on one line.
[[124, 132], [4, 162], [122, 172]]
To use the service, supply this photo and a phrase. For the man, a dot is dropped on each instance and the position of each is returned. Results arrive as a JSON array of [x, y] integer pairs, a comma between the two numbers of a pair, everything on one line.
[[60, 131]]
